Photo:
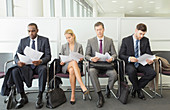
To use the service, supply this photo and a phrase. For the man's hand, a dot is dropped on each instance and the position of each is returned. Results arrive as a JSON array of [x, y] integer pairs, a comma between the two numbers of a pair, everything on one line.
[[133, 59], [20, 64], [109, 60], [149, 61], [81, 59], [95, 59], [62, 63], [36, 63]]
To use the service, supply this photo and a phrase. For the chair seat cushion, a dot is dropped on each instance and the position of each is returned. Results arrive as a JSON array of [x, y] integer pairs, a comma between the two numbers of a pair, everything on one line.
[[166, 73], [102, 75], [35, 76], [2, 74], [62, 75]]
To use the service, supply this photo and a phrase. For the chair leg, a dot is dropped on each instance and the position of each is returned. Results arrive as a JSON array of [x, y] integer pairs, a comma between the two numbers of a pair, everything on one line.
[[113, 94], [147, 93]]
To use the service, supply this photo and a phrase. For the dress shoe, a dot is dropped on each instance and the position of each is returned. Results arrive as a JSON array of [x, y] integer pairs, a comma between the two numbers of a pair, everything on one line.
[[39, 103], [100, 101], [11, 98], [21, 102], [85, 92], [107, 92], [141, 95], [72, 102], [133, 93]]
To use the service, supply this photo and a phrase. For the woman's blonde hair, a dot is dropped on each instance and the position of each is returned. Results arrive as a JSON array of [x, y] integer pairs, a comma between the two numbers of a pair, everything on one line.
[[69, 31]]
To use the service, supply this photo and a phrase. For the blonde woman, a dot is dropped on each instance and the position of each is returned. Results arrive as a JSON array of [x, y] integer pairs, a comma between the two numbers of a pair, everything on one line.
[[72, 67]]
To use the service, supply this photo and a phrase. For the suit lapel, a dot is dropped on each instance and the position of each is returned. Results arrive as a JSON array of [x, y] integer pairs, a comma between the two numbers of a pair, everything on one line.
[[28, 42], [132, 44], [39, 42], [105, 44], [96, 44]]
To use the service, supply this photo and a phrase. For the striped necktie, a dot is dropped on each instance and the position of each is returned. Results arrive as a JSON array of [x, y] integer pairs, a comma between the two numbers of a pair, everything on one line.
[[136, 53]]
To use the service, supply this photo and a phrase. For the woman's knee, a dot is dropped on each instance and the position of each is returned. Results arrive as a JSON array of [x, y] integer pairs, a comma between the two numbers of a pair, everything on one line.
[[71, 71]]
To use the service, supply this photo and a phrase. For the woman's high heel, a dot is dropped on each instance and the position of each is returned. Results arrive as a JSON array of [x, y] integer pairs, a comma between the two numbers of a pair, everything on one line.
[[72, 102]]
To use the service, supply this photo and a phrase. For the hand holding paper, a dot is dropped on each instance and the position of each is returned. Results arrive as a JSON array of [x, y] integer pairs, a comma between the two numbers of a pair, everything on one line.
[[102, 57], [142, 59], [30, 55], [72, 56]]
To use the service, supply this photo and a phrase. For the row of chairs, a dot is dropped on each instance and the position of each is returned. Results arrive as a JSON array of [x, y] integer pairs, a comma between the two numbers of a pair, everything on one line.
[[165, 54]]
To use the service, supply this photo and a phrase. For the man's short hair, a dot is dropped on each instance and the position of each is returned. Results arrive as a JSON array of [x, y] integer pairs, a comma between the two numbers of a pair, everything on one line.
[[141, 27], [98, 24], [33, 24]]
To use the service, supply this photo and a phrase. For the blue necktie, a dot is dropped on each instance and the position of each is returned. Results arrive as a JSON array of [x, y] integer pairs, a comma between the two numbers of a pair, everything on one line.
[[33, 44], [136, 53], [33, 47]]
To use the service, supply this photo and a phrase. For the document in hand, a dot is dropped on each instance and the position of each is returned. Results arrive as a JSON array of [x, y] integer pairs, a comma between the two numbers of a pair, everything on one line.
[[72, 56], [102, 57], [142, 59], [30, 55]]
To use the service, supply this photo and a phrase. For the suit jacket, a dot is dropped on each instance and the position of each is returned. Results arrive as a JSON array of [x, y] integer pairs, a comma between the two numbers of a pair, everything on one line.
[[42, 45], [65, 50], [127, 48], [92, 47]]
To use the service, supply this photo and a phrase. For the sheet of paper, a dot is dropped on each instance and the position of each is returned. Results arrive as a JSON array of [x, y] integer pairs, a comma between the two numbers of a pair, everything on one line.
[[32, 54], [142, 59], [24, 59], [72, 56], [65, 58], [102, 57]]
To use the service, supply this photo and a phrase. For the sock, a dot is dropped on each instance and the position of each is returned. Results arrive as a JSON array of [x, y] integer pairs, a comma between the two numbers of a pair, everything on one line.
[[99, 94], [40, 94], [22, 94]]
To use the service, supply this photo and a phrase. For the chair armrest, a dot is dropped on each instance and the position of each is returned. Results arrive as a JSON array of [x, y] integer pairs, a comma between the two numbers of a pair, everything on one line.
[[6, 63]]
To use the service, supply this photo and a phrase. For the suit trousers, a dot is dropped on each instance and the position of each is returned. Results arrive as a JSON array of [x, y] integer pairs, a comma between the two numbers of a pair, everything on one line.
[[147, 70], [95, 81], [18, 76]]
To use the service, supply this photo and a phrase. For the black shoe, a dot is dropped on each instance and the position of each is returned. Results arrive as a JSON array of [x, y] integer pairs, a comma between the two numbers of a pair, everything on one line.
[[39, 103], [11, 98], [141, 95], [133, 93], [21, 102], [107, 92], [72, 102], [100, 101]]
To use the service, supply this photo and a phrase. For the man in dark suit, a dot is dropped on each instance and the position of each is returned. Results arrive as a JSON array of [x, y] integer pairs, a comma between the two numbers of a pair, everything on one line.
[[102, 44], [132, 47], [39, 67]]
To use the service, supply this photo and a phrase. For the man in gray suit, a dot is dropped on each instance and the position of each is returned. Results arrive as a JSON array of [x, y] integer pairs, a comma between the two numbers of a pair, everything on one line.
[[101, 44], [39, 67]]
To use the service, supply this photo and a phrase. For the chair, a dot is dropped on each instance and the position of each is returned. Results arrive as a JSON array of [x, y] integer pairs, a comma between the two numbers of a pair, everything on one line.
[[103, 75], [62, 75], [13, 88], [166, 55], [139, 74], [4, 57]]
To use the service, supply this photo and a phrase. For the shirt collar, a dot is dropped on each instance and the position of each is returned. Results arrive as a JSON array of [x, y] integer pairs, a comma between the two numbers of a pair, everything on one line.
[[34, 39], [100, 39]]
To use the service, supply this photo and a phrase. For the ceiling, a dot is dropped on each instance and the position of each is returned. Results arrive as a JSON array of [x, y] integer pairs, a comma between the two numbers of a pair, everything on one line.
[[143, 8]]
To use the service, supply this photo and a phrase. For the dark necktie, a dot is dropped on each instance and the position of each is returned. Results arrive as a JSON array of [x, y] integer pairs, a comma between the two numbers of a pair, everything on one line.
[[33, 44], [33, 47], [136, 53], [100, 50]]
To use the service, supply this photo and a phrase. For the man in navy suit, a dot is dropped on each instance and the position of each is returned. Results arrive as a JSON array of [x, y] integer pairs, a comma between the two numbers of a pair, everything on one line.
[[132, 47], [39, 67]]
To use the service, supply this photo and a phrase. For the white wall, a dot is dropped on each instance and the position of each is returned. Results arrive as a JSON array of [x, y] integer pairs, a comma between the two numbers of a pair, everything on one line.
[[13, 29]]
